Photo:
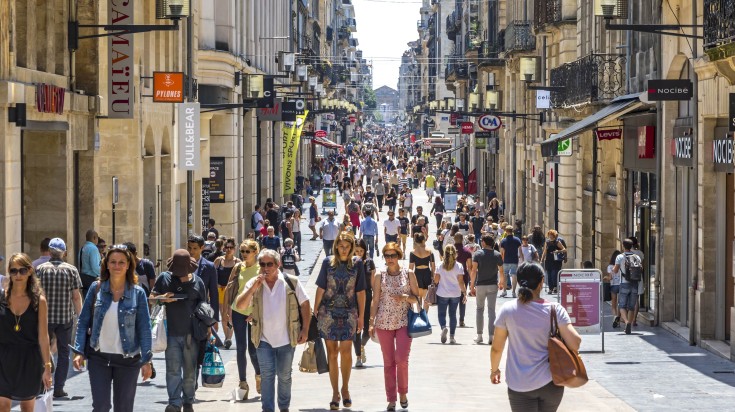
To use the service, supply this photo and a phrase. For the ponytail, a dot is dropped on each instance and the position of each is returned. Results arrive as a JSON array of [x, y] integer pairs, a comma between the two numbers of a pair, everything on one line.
[[530, 275]]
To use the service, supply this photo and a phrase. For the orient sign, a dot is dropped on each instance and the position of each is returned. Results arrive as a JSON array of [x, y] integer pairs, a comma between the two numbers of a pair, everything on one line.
[[168, 87], [120, 62], [723, 154], [468, 128], [489, 122], [659, 90]]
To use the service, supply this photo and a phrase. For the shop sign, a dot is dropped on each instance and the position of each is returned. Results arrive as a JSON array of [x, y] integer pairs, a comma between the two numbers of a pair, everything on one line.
[[682, 150], [168, 87], [50, 99], [481, 139], [189, 130], [273, 114], [489, 122], [608, 134], [217, 180], [646, 142], [320, 134], [723, 154], [120, 63], [205, 201], [659, 90], [731, 118], [543, 99], [564, 147], [467, 127], [453, 130], [580, 294], [453, 119], [288, 111]]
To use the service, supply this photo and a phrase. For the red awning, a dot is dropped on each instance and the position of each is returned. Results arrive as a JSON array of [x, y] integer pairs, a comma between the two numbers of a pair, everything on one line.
[[323, 141]]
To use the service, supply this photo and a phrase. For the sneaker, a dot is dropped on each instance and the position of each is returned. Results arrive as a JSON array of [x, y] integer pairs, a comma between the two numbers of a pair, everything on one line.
[[478, 339], [358, 363], [628, 328], [172, 408], [245, 390], [514, 295], [228, 343], [363, 357], [616, 322], [444, 335], [59, 393], [504, 294], [451, 340], [188, 407], [461, 324]]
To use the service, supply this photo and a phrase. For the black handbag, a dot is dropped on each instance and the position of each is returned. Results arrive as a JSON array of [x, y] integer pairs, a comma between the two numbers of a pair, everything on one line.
[[202, 320]]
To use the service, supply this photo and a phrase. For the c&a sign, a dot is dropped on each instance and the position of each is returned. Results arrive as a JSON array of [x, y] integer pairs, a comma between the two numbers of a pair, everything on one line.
[[120, 67]]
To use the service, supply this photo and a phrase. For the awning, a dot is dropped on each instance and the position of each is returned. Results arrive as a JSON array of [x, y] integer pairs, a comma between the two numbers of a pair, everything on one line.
[[436, 142], [323, 141], [450, 150], [618, 107]]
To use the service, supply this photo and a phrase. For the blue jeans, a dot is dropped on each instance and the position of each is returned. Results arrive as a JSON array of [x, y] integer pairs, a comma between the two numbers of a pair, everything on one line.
[[243, 331], [391, 238], [510, 270], [275, 362], [452, 303], [628, 295], [328, 246], [552, 277], [181, 355], [370, 240], [122, 379]]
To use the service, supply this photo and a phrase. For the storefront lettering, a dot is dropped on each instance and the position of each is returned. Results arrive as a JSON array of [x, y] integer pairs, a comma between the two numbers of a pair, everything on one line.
[[120, 61], [722, 151], [682, 147]]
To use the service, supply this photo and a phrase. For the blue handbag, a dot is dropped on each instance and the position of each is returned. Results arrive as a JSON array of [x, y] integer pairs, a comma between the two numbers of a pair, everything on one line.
[[418, 323]]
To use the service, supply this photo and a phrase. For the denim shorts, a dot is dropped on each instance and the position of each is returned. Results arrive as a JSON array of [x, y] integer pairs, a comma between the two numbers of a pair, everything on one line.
[[615, 289], [510, 269], [627, 296]]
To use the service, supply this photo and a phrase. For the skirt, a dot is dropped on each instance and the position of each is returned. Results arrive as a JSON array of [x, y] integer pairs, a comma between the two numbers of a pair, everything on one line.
[[21, 372]]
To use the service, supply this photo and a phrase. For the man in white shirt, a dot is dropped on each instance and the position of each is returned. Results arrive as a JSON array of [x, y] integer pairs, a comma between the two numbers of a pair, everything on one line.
[[277, 300], [327, 179], [328, 232], [390, 228], [257, 220]]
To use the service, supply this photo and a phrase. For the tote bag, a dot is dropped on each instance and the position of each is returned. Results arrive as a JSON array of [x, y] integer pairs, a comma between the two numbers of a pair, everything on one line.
[[418, 322], [158, 329]]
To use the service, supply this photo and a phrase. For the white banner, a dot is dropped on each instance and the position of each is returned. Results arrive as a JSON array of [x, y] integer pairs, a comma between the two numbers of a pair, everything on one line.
[[543, 99], [120, 66], [189, 130]]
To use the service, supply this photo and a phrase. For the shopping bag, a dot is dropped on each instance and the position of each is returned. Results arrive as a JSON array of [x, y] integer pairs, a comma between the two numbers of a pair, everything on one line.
[[308, 359], [431, 294], [322, 365], [158, 329], [418, 322], [45, 403], [213, 369]]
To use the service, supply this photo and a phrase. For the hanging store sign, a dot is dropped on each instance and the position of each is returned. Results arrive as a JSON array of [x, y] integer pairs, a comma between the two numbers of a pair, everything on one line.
[[189, 130], [217, 180], [659, 90], [564, 147], [50, 99], [646, 142], [608, 134], [489, 122], [467, 128], [120, 63], [168, 87], [481, 139], [731, 118], [682, 147], [205, 201], [543, 99], [723, 154], [274, 113]]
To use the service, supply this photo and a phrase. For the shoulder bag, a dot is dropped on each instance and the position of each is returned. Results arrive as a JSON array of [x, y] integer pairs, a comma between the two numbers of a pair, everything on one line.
[[418, 322], [567, 368], [431, 294]]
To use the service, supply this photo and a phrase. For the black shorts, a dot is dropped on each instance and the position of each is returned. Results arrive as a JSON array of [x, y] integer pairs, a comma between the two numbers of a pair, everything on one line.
[[423, 278]]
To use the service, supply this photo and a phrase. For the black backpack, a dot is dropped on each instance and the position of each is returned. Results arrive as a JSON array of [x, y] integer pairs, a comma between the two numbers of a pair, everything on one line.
[[253, 223], [633, 267]]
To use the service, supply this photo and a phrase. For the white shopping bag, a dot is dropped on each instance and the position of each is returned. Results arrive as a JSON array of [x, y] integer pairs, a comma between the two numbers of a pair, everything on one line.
[[158, 329], [45, 403]]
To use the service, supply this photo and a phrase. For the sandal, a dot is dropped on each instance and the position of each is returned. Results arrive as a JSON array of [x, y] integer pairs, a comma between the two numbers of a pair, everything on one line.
[[334, 405], [347, 401], [404, 404], [391, 407]]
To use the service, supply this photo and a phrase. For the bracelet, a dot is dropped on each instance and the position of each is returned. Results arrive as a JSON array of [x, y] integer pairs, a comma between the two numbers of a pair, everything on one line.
[[496, 371], [49, 365]]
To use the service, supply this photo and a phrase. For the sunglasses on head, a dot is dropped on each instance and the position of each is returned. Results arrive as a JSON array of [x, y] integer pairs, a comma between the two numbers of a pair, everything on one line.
[[267, 264], [19, 271]]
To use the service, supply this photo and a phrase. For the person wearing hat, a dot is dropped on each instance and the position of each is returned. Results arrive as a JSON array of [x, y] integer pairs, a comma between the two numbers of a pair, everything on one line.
[[509, 247], [62, 284], [181, 291]]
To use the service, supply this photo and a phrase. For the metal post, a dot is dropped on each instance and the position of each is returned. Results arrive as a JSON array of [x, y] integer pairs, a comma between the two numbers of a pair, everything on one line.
[[189, 98], [115, 198]]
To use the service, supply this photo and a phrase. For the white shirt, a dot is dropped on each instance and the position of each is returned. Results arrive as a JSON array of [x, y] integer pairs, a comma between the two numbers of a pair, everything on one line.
[[110, 333], [391, 226], [448, 283], [614, 276], [528, 252], [258, 221], [275, 321], [327, 179], [407, 199]]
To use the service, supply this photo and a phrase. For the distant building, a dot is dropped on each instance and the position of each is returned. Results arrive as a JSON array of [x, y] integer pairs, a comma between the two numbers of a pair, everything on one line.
[[387, 102]]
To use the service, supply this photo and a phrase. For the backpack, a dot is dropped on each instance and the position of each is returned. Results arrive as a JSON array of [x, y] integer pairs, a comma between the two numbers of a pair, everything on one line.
[[633, 267], [253, 223]]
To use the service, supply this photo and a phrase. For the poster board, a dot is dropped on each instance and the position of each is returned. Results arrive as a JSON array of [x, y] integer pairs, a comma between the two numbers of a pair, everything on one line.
[[329, 198], [450, 201], [580, 293]]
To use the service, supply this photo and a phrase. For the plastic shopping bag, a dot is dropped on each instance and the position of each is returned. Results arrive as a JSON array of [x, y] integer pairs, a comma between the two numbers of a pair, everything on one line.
[[213, 369], [158, 329], [45, 403]]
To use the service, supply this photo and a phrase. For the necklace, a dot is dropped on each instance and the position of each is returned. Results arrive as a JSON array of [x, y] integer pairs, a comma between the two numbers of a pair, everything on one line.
[[17, 323]]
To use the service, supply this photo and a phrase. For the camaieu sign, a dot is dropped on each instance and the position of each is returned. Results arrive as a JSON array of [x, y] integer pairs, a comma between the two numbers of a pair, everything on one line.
[[660, 90]]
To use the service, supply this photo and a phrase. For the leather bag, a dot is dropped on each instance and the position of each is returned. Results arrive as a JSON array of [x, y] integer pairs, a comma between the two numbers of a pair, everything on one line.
[[567, 368], [418, 322], [431, 294], [322, 364], [308, 359]]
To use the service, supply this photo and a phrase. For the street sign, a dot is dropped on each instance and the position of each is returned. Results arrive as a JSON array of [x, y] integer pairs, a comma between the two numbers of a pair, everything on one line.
[[467, 128], [489, 122], [427, 142], [453, 130], [320, 133], [580, 294], [564, 147], [543, 99]]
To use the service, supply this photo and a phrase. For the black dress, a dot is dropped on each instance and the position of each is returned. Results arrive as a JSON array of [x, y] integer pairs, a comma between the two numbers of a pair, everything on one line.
[[21, 365], [423, 275]]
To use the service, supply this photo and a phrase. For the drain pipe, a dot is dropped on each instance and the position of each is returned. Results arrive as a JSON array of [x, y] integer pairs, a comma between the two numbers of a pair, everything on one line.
[[695, 130]]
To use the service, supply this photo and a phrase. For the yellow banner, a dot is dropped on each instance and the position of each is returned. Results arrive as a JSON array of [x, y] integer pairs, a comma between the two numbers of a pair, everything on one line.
[[289, 128], [290, 150]]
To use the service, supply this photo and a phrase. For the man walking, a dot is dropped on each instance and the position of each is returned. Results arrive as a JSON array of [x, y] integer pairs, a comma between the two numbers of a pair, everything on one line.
[[329, 232], [391, 227], [509, 250], [369, 232], [631, 268], [61, 283], [89, 260], [486, 276], [205, 271], [45, 255]]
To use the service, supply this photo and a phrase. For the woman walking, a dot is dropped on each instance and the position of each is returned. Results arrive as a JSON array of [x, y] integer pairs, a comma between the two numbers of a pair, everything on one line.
[[394, 290], [340, 306], [361, 339], [115, 311], [450, 291], [438, 211], [524, 323], [313, 218], [553, 257], [241, 273], [421, 262], [296, 230], [615, 279], [223, 265], [443, 182], [391, 200], [380, 193], [25, 358]]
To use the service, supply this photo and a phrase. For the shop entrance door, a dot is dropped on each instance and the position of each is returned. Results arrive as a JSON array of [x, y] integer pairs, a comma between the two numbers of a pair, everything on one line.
[[644, 208], [683, 235]]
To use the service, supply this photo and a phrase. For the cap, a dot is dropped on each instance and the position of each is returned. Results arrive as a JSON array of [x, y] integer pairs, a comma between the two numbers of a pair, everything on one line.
[[58, 244], [181, 263]]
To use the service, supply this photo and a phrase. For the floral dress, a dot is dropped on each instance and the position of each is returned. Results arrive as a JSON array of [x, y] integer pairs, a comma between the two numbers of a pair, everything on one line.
[[338, 311]]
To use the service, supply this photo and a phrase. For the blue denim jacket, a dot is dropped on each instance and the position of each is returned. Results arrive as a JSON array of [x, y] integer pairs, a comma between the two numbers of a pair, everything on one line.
[[135, 321]]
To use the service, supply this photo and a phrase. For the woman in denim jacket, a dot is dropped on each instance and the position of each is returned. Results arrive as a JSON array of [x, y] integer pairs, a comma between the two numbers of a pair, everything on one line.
[[117, 345]]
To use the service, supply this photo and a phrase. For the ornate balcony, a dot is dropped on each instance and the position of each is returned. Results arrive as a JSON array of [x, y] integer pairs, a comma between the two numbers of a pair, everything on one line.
[[456, 69], [591, 79], [519, 37], [719, 28], [472, 44], [546, 12], [488, 54], [350, 25]]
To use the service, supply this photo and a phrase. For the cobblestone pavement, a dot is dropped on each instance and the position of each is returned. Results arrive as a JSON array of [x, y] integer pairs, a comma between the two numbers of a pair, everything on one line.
[[650, 370]]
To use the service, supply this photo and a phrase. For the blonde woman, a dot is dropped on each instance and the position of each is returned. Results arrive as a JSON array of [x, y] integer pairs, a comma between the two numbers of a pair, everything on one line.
[[223, 265], [450, 290]]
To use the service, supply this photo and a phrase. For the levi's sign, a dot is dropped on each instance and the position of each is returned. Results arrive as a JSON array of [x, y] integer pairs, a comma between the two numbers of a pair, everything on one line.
[[659, 90]]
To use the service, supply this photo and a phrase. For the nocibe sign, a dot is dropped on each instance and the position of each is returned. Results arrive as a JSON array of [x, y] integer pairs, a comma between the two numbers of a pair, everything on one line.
[[660, 90]]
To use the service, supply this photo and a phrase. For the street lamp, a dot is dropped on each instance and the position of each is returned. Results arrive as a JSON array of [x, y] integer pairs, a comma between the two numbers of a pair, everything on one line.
[[460, 105], [313, 80], [529, 69], [474, 101], [492, 99], [302, 73], [254, 85], [451, 103], [286, 61], [607, 8]]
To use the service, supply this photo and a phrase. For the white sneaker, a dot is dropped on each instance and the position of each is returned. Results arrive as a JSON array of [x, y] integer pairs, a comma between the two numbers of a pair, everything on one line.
[[445, 331], [451, 340], [514, 295], [504, 294], [358, 363], [478, 339]]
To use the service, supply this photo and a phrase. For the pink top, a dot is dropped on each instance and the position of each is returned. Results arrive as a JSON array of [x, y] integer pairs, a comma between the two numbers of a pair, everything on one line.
[[392, 315]]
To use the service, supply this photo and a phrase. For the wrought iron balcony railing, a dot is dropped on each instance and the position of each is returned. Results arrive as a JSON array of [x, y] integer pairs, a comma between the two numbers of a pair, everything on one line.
[[519, 36], [593, 78], [456, 68], [489, 54], [719, 23], [546, 12]]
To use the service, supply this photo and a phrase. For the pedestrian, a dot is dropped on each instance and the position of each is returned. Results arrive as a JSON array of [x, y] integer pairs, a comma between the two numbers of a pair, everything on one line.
[[369, 233], [181, 291], [614, 278], [102, 247], [380, 192], [391, 200], [471, 245], [45, 255], [407, 200], [144, 268], [210, 229], [245, 270], [286, 226], [296, 230], [477, 221], [486, 277], [271, 213], [537, 238], [524, 324], [354, 213], [276, 301], [118, 346], [438, 210], [450, 290], [340, 306], [641, 284], [421, 262], [464, 225], [61, 284], [553, 257], [271, 241], [361, 339], [429, 184], [223, 265], [25, 356], [289, 257], [391, 227], [256, 219], [510, 248], [630, 266], [207, 272], [313, 217], [328, 232], [394, 290], [494, 207], [464, 257], [527, 252], [403, 232], [89, 260]]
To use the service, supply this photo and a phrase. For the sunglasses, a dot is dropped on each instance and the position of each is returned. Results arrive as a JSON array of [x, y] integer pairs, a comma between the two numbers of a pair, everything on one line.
[[267, 264], [19, 271], [391, 256], [246, 251]]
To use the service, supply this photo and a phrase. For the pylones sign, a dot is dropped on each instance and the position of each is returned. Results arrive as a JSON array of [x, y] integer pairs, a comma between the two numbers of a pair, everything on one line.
[[189, 130]]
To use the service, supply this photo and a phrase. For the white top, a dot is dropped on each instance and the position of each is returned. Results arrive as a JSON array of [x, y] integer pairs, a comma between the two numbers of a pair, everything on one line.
[[391, 226], [614, 276], [275, 322], [327, 179], [296, 225], [110, 333], [258, 221], [408, 200], [528, 252], [448, 282]]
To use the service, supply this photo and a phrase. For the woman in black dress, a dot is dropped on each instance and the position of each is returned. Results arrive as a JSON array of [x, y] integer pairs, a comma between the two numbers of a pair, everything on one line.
[[421, 262], [25, 364], [361, 339]]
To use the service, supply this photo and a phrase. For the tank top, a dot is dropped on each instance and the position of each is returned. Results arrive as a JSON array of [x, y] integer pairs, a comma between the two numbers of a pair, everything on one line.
[[392, 315], [296, 225], [223, 274]]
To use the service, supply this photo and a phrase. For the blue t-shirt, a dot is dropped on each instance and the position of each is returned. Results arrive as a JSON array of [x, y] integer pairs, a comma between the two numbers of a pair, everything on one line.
[[510, 244], [272, 243]]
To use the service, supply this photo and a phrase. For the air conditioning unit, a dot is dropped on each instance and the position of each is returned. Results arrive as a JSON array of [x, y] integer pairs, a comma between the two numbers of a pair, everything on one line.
[[172, 9]]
